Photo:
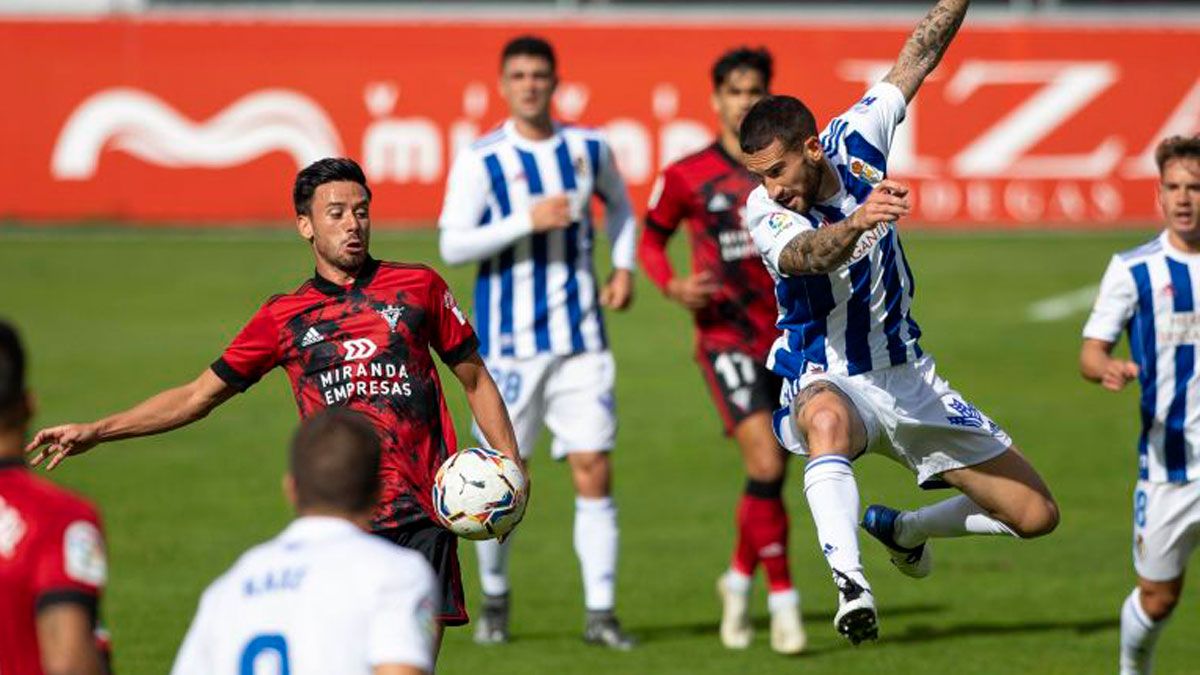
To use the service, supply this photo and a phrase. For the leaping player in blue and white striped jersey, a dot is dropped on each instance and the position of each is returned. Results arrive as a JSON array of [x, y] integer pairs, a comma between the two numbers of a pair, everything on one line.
[[1151, 292], [856, 379], [518, 202]]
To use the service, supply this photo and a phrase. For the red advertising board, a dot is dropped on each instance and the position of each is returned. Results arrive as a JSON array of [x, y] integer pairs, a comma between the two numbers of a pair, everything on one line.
[[161, 120]]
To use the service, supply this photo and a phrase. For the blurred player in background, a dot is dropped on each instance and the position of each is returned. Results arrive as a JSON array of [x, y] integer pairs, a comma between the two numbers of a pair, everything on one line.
[[52, 558], [1151, 292], [360, 334], [518, 202], [323, 596], [729, 295], [856, 379]]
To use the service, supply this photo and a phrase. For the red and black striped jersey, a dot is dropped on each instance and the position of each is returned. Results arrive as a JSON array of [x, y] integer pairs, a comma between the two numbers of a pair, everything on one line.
[[367, 347], [708, 189]]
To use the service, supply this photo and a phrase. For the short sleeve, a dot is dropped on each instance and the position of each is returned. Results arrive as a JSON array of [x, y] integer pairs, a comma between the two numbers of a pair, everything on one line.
[[668, 201], [876, 115], [1114, 304], [73, 565], [252, 354], [773, 227], [451, 335], [402, 623]]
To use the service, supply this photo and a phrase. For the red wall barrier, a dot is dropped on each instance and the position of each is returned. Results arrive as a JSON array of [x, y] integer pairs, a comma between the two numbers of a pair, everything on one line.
[[160, 120]]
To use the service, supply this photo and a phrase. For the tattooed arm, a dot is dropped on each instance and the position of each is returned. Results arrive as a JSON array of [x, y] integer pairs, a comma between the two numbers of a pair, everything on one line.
[[924, 48], [824, 250]]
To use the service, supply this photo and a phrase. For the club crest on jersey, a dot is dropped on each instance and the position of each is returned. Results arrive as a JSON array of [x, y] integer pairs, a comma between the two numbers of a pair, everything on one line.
[[391, 314], [864, 171]]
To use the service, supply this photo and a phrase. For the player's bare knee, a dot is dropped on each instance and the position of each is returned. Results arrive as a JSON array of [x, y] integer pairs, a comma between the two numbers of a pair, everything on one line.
[[1159, 601], [1039, 518], [826, 431]]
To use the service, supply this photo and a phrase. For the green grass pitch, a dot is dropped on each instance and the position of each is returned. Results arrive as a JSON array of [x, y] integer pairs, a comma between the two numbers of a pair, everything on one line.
[[114, 315]]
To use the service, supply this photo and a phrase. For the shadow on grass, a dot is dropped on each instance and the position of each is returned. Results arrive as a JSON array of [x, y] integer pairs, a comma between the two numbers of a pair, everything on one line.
[[662, 632], [816, 621], [917, 633]]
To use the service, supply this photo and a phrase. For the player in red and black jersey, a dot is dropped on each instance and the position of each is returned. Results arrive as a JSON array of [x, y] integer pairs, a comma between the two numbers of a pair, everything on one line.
[[358, 335], [52, 562], [730, 294]]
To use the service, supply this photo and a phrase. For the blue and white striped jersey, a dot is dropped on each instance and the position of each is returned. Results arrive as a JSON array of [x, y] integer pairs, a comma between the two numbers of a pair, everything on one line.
[[1151, 292], [535, 293], [858, 318]]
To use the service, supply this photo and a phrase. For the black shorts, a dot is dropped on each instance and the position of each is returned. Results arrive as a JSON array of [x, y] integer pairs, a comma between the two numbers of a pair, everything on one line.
[[740, 384], [440, 548]]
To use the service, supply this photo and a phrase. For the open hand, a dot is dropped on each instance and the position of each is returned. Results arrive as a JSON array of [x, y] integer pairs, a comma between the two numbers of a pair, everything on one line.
[[61, 442]]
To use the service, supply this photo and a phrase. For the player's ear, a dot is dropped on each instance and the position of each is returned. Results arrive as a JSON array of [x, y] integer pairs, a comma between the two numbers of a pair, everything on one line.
[[289, 490], [304, 226], [812, 149]]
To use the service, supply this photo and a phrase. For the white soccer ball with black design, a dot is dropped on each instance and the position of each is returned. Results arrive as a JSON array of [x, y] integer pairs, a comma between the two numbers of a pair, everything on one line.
[[479, 494]]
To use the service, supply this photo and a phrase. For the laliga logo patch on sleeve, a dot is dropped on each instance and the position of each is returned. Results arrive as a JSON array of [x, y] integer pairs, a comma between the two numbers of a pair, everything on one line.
[[864, 171], [779, 221], [83, 554]]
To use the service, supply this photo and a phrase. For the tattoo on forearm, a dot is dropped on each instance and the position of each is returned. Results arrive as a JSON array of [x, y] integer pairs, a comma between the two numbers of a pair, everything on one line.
[[926, 45], [819, 251]]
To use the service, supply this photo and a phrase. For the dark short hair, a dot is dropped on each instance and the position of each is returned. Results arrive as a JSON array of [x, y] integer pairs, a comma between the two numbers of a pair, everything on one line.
[[320, 172], [1177, 147], [776, 117], [12, 377], [335, 462], [743, 58], [528, 45]]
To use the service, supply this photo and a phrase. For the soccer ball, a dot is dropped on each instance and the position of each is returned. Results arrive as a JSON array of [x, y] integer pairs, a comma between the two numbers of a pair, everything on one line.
[[479, 494]]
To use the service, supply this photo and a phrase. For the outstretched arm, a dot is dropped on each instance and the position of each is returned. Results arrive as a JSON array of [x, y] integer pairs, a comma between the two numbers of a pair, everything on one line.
[[926, 45], [165, 411]]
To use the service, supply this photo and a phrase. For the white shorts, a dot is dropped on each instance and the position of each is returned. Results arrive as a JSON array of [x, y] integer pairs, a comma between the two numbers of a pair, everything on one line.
[[1166, 528], [911, 415], [572, 395]]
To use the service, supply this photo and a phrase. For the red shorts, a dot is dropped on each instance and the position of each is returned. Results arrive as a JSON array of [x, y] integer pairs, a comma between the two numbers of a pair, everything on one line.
[[740, 384]]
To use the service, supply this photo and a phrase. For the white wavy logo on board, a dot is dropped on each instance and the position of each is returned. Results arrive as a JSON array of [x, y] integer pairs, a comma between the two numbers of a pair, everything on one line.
[[146, 127]]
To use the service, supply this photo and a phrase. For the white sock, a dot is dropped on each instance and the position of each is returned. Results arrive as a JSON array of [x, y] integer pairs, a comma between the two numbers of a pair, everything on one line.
[[596, 545], [737, 582], [777, 600], [1138, 635], [953, 517], [833, 499], [493, 565]]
